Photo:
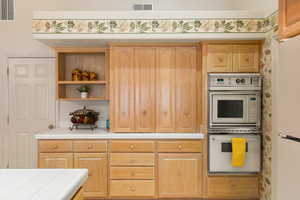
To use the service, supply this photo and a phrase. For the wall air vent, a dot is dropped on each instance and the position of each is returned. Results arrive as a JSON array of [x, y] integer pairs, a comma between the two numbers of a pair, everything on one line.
[[142, 7], [7, 9]]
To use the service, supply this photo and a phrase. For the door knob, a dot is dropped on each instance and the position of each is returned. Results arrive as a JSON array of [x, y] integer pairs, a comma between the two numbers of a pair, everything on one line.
[[51, 126]]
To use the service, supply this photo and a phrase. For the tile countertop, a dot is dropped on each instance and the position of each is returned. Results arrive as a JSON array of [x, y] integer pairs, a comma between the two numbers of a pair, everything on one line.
[[64, 133], [41, 184]]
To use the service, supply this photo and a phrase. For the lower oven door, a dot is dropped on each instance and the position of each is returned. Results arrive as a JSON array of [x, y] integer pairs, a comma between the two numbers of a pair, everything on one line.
[[220, 154]]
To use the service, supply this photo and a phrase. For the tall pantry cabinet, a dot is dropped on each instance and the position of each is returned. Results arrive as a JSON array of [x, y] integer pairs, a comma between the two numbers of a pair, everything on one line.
[[153, 88]]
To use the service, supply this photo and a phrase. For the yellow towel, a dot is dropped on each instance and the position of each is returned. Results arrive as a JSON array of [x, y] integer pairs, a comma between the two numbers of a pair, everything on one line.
[[238, 151]]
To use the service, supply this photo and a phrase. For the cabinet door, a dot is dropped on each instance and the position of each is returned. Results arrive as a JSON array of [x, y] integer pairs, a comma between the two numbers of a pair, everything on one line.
[[246, 58], [185, 86], [289, 18], [122, 89], [96, 163], [180, 175], [219, 58], [144, 89], [165, 89], [56, 160]]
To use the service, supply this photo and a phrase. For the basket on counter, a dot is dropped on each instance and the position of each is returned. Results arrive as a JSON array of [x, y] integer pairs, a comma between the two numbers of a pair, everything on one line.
[[84, 119]]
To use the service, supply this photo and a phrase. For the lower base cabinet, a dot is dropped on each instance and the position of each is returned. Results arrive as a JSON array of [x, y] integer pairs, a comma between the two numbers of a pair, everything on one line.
[[96, 163], [233, 188], [132, 188], [180, 175]]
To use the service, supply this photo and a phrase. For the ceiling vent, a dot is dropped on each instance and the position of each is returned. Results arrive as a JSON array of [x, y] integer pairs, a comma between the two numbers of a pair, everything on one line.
[[143, 7]]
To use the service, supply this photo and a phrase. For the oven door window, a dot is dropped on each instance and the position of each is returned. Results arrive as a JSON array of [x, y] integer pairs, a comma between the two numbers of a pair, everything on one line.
[[230, 109]]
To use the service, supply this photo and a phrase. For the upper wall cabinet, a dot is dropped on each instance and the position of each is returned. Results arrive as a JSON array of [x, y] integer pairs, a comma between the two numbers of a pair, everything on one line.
[[289, 18], [231, 57], [153, 89]]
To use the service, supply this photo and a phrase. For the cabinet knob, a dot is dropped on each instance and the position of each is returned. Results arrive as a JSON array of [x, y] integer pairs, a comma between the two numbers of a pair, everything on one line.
[[90, 146], [132, 173], [180, 147], [132, 189], [144, 112], [55, 146], [131, 146]]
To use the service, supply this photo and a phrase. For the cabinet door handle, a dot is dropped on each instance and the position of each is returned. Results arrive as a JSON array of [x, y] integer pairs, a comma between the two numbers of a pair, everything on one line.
[[90, 146], [180, 147], [131, 146], [55, 146], [289, 137]]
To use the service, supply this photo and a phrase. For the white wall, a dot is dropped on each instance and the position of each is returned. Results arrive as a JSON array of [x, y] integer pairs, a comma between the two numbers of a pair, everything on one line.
[[265, 5]]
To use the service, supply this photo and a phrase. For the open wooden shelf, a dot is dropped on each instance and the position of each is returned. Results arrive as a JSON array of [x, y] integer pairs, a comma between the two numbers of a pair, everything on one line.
[[81, 82], [85, 59], [87, 99]]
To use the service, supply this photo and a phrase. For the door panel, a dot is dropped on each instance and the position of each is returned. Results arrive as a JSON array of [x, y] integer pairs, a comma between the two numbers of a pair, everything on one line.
[[122, 89], [289, 18], [286, 109], [4, 129], [219, 58], [185, 97], [32, 106], [144, 89], [96, 184], [246, 58], [165, 89], [180, 175]]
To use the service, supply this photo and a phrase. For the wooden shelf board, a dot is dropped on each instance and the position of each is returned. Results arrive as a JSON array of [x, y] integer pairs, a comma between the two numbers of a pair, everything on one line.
[[81, 82], [87, 99]]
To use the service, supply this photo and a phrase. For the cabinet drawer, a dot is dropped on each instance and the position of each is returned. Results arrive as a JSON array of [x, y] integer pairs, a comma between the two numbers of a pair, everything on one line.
[[233, 187], [180, 146], [132, 173], [132, 146], [49, 146], [132, 159], [132, 188], [89, 146]]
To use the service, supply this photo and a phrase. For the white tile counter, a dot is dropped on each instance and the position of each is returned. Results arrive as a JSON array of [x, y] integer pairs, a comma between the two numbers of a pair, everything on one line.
[[63, 133], [41, 184]]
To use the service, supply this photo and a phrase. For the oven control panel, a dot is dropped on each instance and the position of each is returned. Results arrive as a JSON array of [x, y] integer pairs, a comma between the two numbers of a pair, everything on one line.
[[234, 81]]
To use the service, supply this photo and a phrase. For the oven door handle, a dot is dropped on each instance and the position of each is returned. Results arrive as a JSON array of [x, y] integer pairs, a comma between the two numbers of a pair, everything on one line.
[[289, 137]]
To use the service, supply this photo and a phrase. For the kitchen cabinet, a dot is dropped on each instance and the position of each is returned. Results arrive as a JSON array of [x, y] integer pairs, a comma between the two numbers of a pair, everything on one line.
[[55, 160], [165, 89], [161, 94], [122, 89], [231, 57], [185, 92], [289, 18], [96, 163], [180, 175], [233, 187], [144, 78]]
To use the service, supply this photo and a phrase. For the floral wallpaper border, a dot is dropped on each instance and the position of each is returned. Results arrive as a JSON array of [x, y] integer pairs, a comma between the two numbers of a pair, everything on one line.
[[151, 26]]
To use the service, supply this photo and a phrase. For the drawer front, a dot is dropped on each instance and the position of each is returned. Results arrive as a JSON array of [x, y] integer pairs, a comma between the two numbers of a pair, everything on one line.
[[180, 146], [132, 159], [132, 146], [233, 187], [89, 146], [132, 188], [132, 173], [49, 146]]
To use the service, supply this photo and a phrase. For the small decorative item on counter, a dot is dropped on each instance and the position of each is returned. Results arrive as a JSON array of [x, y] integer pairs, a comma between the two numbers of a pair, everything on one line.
[[84, 118], [76, 75], [85, 76], [107, 124], [84, 91], [93, 76]]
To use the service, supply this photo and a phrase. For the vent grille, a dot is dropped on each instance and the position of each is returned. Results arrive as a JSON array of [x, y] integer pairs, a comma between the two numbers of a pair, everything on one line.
[[7, 9], [142, 7]]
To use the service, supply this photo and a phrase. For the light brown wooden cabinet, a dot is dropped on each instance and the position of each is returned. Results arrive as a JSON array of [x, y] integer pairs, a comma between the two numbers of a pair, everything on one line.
[[160, 95], [55, 160], [122, 89], [230, 58], [180, 175], [96, 163], [289, 18]]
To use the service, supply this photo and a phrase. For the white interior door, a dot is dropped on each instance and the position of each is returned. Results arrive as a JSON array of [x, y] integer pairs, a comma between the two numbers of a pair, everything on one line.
[[31, 106], [286, 164], [4, 130]]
